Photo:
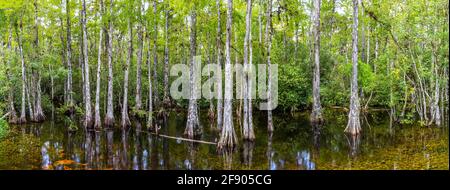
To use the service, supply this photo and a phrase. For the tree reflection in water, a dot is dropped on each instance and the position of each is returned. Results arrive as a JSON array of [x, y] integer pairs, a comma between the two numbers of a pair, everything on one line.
[[248, 147]]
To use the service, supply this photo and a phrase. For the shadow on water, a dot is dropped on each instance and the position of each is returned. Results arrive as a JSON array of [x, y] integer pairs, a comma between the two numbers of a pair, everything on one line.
[[295, 144]]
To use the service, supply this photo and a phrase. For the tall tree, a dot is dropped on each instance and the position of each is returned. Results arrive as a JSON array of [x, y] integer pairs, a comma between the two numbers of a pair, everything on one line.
[[316, 115], [155, 55], [39, 113], [228, 136], [19, 31], [166, 58], [354, 126], [192, 124], [97, 122], [88, 110], [219, 71], [69, 60], [268, 40], [109, 118], [140, 43], [12, 119], [249, 134], [125, 119]]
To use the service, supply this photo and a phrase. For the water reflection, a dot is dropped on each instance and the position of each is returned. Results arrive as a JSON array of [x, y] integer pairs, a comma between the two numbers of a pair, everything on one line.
[[247, 154], [353, 143]]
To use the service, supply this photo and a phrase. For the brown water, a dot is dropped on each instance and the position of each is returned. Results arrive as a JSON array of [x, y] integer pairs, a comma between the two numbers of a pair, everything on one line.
[[295, 144]]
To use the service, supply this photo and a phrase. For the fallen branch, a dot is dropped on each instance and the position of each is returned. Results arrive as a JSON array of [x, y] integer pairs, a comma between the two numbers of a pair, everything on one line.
[[6, 115], [184, 139]]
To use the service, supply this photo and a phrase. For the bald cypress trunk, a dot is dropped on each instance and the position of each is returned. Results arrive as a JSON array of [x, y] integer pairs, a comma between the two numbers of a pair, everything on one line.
[[69, 61], [248, 128], [88, 110], [109, 118], [166, 60], [150, 99], [22, 118], [228, 136], [125, 119], [192, 124], [219, 71], [12, 118], [269, 80], [316, 115], [155, 56], [38, 112], [354, 126], [97, 121], [138, 101]]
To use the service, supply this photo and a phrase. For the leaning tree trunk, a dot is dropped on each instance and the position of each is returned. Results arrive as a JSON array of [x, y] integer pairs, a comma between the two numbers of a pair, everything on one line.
[[354, 126], [38, 112], [248, 129], [192, 124], [109, 118], [316, 115], [125, 119], [12, 119], [219, 70], [88, 110], [97, 122], [228, 136], [269, 80]]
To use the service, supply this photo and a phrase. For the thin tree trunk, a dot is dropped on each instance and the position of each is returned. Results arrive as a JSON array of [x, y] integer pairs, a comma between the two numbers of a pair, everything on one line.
[[166, 60], [192, 125], [125, 119], [22, 118], [140, 42], [247, 126], [150, 99], [228, 136], [109, 118], [155, 57], [219, 71], [69, 60], [268, 37], [316, 115], [97, 121], [354, 126], [12, 118]]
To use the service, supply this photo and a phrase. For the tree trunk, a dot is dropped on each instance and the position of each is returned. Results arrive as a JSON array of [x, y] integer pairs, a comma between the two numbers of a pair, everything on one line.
[[248, 132], [97, 122], [22, 118], [354, 126], [125, 119], [155, 57], [192, 125], [109, 118], [138, 101], [228, 136], [316, 115], [69, 61], [12, 118], [166, 60], [150, 99], [219, 71], [38, 112], [88, 110], [269, 80]]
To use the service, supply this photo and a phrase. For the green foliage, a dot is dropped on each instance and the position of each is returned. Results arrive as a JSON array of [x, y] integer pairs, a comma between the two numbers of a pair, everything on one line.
[[4, 128]]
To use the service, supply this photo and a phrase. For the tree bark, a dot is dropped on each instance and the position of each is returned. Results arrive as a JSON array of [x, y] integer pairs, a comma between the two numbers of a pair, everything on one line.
[[150, 99], [125, 119], [88, 110], [39, 113], [354, 126], [22, 118], [109, 118], [97, 121], [316, 115], [228, 136], [69, 60], [155, 57], [192, 125]]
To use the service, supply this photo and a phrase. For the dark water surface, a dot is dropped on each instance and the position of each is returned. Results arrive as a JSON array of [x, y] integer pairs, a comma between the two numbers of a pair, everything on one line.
[[295, 144]]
